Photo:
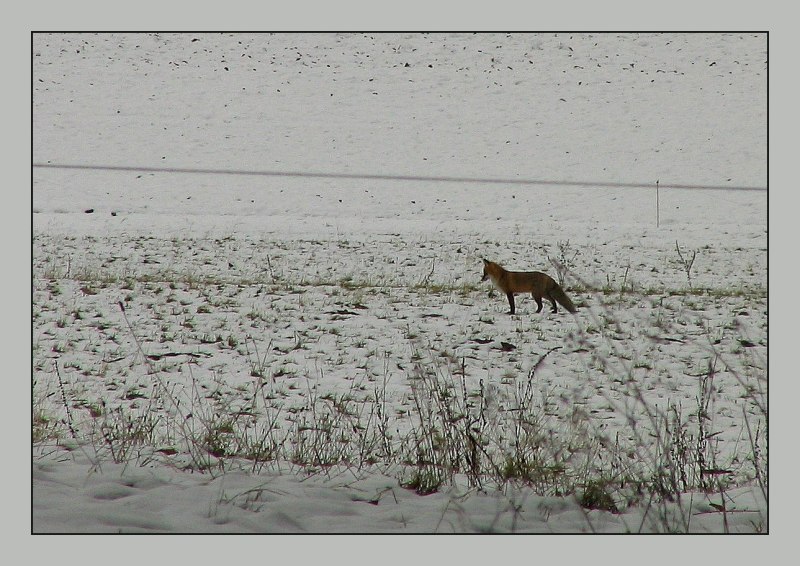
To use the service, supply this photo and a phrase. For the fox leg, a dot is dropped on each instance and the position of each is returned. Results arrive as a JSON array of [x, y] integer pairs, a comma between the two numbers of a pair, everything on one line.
[[538, 302], [552, 300], [510, 302]]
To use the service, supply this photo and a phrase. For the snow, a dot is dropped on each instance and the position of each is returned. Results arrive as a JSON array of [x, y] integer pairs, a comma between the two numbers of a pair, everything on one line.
[[337, 280], [71, 497]]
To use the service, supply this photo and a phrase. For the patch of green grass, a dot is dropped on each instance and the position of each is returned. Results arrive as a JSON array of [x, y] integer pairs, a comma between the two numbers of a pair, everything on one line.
[[44, 428]]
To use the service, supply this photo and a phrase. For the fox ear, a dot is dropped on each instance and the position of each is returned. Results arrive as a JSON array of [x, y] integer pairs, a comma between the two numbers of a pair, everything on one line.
[[485, 260]]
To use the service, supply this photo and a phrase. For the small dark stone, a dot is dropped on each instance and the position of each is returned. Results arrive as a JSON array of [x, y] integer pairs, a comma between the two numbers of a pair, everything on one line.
[[89, 210]]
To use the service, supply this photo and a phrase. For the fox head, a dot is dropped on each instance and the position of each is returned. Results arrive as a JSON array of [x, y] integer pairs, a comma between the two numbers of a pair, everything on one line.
[[486, 264]]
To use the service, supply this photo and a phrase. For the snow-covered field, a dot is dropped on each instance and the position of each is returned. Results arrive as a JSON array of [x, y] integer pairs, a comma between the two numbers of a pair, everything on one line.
[[303, 273]]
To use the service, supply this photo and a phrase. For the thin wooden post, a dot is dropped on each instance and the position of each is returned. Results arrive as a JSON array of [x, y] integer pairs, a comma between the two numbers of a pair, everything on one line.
[[658, 211]]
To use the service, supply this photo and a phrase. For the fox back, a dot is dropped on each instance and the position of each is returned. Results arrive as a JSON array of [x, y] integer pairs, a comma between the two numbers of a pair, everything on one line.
[[534, 282]]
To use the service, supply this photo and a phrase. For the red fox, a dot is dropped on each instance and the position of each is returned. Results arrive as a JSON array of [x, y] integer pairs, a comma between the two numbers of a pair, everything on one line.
[[534, 282]]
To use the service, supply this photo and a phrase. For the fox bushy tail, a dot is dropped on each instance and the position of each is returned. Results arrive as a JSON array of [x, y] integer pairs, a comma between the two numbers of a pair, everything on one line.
[[561, 297]]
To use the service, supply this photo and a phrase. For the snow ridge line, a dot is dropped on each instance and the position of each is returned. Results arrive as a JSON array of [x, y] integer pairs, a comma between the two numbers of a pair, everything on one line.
[[383, 177]]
